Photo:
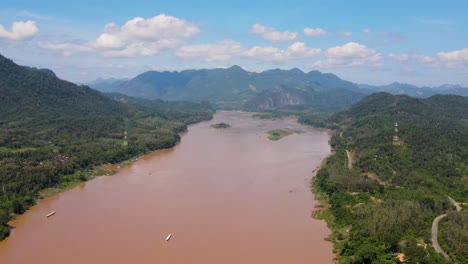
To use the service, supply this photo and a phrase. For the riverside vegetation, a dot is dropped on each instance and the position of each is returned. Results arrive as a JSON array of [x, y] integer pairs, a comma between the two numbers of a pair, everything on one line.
[[221, 125], [54, 133], [386, 203], [277, 134]]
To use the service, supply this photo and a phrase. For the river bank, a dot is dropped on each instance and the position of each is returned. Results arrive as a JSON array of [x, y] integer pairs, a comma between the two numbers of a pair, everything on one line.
[[57, 170], [251, 204], [360, 213]]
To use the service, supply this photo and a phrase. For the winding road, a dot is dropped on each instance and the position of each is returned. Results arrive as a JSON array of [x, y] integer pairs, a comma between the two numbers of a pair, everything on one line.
[[435, 229]]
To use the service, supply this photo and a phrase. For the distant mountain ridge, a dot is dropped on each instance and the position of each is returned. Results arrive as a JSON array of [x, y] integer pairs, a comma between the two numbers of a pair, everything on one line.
[[236, 88], [416, 91], [104, 85], [230, 88]]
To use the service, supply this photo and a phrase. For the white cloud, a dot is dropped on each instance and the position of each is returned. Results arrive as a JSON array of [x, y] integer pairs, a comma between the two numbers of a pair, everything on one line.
[[144, 37], [411, 58], [314, 32], [264, 53], [427, 59], [271, 34], [141, 49], [66, 49], [155, 28], [401, 57], [345, 33], [366, 31], [108, 41], [20, 30], [297, 50], [221, 51], [349, 55], [456, 58], [138, 37]]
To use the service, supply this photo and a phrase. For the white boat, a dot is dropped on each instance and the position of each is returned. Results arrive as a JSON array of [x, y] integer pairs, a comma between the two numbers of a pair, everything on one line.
[[51, 214], [168, 237]]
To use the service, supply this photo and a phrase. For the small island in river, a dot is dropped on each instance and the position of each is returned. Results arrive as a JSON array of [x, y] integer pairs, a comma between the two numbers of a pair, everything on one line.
[[277, 134], [220, 125]]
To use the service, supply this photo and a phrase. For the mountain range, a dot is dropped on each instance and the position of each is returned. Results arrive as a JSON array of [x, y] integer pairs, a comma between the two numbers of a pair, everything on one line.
[[236, 88]]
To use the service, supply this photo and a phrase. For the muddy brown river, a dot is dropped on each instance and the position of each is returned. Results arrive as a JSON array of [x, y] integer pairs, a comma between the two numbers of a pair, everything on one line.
[[226, 196]]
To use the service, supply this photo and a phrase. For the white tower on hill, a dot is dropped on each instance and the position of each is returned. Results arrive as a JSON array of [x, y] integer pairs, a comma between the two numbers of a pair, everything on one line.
[[395, 136]]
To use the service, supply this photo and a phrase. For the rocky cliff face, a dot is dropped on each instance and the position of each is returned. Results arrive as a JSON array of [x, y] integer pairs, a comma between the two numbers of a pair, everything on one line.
[[278, 97], [323, 99]]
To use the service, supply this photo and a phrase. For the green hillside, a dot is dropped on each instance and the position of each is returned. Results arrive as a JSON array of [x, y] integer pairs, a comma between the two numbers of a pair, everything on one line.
[[387, 200], [229, 88], [54, 133]]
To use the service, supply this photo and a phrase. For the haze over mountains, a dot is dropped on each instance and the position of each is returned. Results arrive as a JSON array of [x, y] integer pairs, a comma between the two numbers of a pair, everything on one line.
[[236, 88]]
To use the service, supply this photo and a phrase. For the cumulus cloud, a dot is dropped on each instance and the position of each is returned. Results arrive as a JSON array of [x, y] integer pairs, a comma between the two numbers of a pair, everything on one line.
[[314, 32], [345, 33], [349, 55], [456, 58], [221, 51], [272, 34], [297, 50], [144, 37], [155, 28], [138, 37], [141, 49], [109, 41], [411, 58], [20, 30]]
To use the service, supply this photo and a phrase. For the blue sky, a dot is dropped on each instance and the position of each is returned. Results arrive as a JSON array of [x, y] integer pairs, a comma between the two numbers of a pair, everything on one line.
[[376, 42]]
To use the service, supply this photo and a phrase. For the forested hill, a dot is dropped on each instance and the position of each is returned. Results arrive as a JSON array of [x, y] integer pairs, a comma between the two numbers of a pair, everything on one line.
[[433, 132], [393, 190], [53, 133], [31, 96]]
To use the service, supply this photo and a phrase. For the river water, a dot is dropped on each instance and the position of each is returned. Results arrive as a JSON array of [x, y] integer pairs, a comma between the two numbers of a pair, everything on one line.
[[226, 196]]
